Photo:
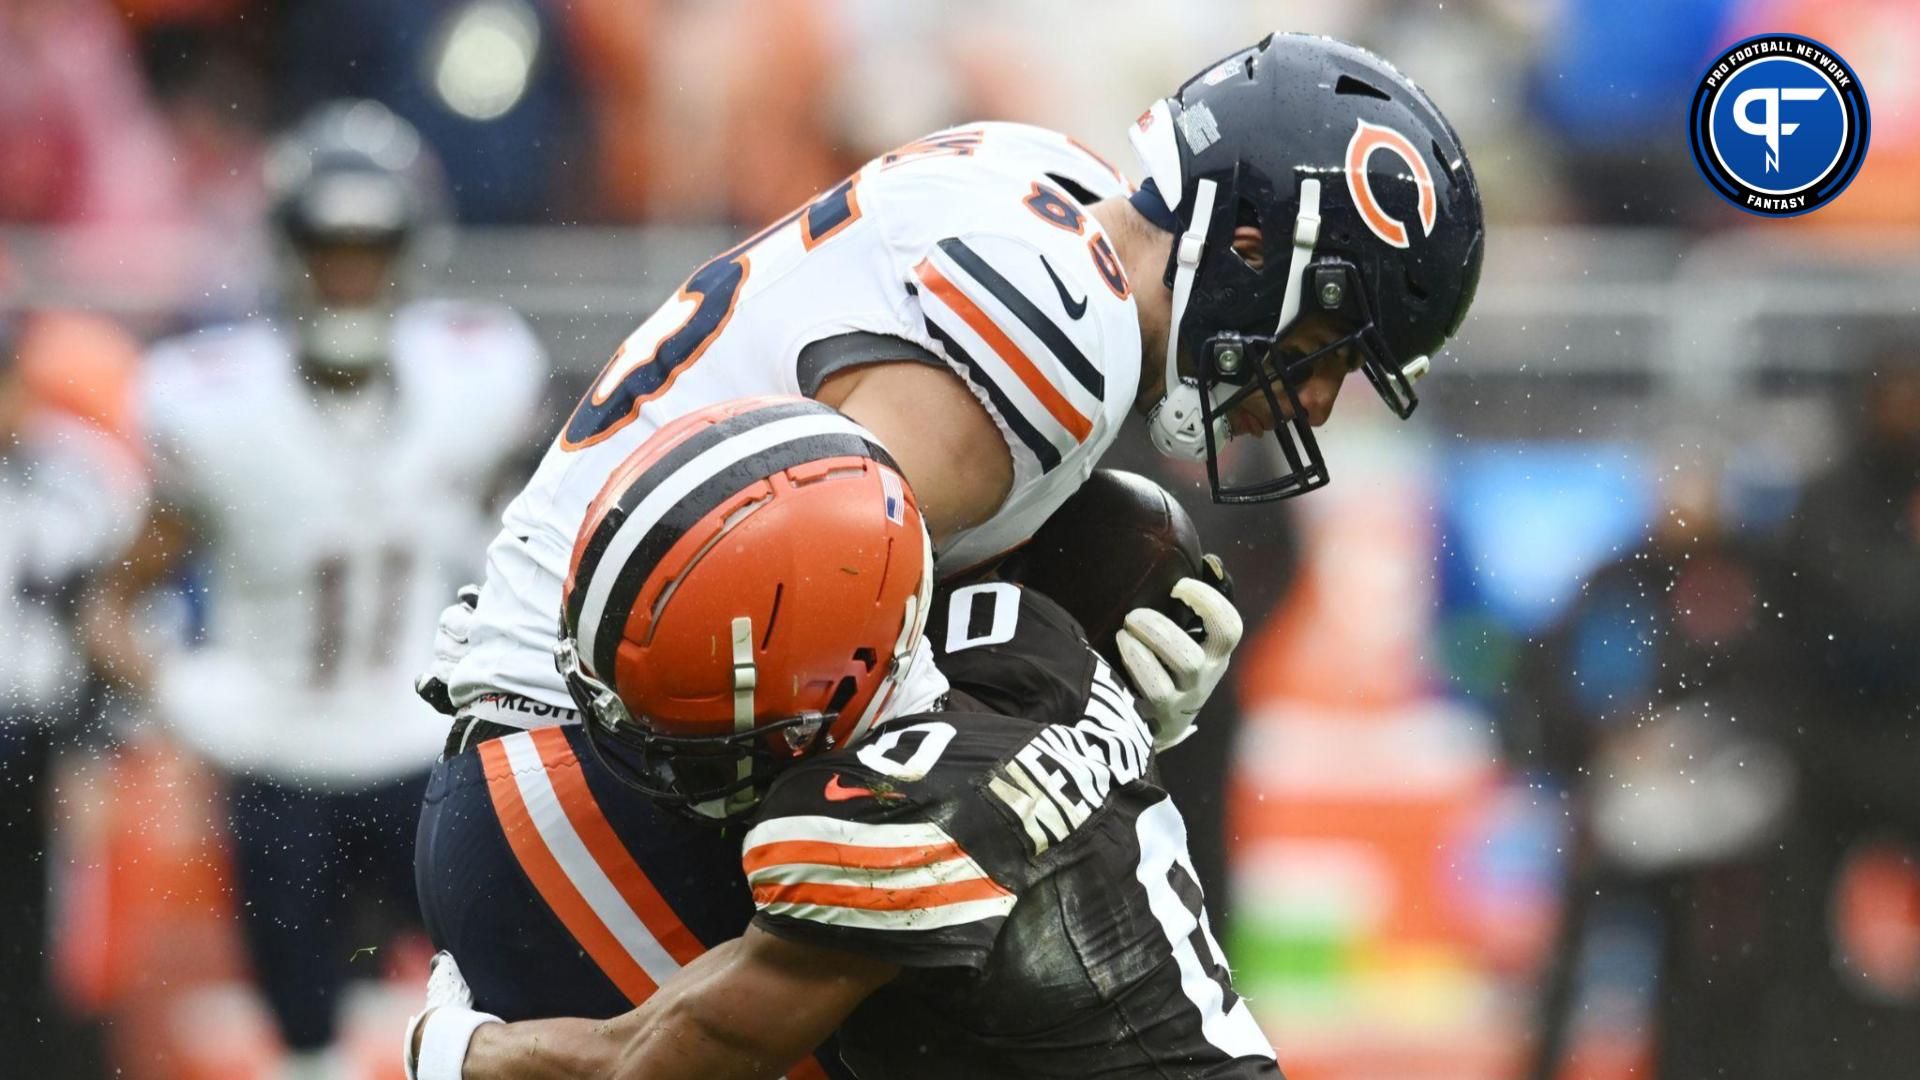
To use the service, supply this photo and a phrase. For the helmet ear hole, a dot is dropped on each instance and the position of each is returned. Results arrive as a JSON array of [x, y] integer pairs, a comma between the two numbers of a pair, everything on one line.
[[866, 657], [842, 694], [1247, 217]]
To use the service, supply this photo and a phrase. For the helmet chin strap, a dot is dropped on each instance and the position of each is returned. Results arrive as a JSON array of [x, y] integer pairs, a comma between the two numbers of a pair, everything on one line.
[[1175, 423], [1306, 236]]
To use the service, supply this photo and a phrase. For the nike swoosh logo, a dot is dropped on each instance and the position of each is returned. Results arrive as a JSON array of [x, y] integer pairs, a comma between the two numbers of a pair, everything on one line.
[[839, 792], [1075, 308]]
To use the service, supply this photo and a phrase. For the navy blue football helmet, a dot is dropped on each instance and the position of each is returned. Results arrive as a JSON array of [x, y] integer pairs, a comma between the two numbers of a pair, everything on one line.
[[1370, 219], [352, 174]]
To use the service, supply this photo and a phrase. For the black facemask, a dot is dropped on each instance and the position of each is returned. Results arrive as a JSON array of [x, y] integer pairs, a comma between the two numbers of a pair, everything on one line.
[[1257, 363]]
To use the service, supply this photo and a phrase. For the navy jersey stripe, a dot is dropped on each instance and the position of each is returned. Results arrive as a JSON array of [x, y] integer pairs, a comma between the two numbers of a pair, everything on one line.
[[1035, 320], [1048, 454]]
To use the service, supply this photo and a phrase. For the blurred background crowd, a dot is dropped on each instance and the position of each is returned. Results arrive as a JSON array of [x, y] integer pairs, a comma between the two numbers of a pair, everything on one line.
[[1577, 736]]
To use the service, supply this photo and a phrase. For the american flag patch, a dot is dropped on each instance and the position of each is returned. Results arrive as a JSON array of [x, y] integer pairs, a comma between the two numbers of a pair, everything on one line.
[[895, 496]]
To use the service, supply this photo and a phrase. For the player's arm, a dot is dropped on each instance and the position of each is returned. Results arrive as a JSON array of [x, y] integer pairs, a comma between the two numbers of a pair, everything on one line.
[[749, 1008], [108, 615], [945, 443]]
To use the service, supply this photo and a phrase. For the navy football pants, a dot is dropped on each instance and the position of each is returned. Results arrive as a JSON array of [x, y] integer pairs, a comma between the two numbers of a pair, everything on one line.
[[323, 877], [561, 891]]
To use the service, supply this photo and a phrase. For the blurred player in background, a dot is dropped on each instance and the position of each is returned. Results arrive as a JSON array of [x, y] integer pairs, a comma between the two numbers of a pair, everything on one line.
[[323, 471], [972, 893], [1653, 701], [1840, 1003], [71, 498]]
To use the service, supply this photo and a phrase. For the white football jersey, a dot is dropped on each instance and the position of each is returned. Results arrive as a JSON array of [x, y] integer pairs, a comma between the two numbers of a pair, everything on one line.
[[972, 243], [72, 497], [332, 526]]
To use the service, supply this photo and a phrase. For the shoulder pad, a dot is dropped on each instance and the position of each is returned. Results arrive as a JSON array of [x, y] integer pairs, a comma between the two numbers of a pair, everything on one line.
[[1061, 157], [207, 351], [464, 332], [832, 847], [197, 369], [1013, 314]]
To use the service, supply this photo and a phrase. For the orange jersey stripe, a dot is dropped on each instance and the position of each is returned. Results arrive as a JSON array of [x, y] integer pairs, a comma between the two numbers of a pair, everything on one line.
[[860, 896], [827, 853], [1042, 388], [590, 822], [550, 879]]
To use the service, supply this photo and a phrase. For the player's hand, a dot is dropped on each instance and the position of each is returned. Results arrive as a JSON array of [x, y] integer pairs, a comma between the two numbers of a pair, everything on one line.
[[1172, 674], [438, 1035], [449, 647]]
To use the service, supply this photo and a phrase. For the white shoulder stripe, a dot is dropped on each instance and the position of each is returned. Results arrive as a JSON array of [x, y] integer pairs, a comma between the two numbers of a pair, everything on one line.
[[837, 831], [959, 868], [931, 918]]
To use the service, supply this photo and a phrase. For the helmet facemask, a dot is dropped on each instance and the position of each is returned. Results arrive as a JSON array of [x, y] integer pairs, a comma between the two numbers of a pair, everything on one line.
[[1232, 365], [712, 779]]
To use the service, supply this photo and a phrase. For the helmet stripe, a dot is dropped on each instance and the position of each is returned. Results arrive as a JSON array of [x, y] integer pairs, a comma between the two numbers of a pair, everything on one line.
[[685, 515], [661, 496], [673, 459]]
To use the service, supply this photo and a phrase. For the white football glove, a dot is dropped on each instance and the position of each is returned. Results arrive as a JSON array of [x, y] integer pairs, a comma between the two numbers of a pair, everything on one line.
[[446, 1024], [449, 648], [1172, 674]]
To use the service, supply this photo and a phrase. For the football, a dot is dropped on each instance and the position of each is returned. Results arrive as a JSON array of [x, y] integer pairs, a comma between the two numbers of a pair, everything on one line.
[[1119, 543]]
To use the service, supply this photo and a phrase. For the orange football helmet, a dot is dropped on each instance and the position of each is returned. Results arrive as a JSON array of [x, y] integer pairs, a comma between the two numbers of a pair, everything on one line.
[[748, 588]]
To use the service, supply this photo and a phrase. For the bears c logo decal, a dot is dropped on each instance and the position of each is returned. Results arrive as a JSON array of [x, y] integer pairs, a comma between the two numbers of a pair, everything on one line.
[[1368, 138]]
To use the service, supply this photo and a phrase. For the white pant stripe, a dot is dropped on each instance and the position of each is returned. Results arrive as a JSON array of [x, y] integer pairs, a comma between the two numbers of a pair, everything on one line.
[[581, 868]]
